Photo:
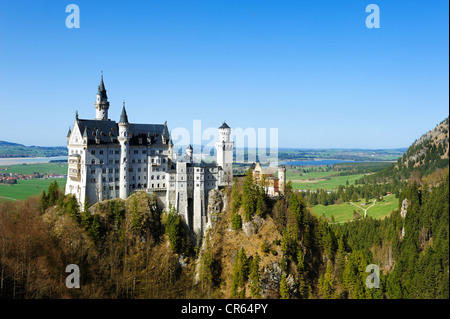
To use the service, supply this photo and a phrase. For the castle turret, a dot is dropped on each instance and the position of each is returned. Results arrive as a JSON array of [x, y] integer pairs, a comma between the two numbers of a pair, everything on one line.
[[124, 146], [282, 180], [224, 153], [189, 152], [101, 103]]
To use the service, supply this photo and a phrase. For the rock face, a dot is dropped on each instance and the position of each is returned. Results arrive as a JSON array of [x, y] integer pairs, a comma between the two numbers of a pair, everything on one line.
[[403, 211], [271, 278], [251, 227], [217, 202]]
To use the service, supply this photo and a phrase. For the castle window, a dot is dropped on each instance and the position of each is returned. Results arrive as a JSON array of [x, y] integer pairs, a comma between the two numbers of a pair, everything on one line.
[[133, 161], [110, 170], [104, 179], [139, 161], [135, 151], [117, 151], [93, 161], [144, 151], [116, 170], [139, 169], [110, 161], [153, 176], [104, 170], [164, 185], [101, 152], [93, 152], [111, 152], [130, 169], [92, 171], [116, 162], [101, 161], [92, 180]]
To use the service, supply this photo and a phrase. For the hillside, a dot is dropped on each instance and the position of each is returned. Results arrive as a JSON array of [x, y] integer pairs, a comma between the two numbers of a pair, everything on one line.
[[8, 149], [428, 154], [255, 247]]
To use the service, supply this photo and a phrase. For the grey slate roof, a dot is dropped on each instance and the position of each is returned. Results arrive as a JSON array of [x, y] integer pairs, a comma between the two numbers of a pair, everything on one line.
[[106, 132]]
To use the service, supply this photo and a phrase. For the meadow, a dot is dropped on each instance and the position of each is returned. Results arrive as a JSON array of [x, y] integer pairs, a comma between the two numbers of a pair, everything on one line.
[[344, 212], [43, 168]]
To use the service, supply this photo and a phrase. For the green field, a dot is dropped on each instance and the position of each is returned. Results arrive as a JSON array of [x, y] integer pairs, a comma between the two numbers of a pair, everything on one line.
[[344, 212], [27, 188], [27, 169], [322, 180]]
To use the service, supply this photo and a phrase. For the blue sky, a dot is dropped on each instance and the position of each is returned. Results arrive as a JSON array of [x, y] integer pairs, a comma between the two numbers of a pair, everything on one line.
[[312, 69]]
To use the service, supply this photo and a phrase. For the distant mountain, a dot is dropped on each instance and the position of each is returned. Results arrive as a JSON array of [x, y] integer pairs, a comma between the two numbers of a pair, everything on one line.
[[9, 149]]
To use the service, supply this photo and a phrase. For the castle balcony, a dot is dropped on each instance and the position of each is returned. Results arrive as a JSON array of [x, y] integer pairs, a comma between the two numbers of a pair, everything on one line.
[[74, 167]]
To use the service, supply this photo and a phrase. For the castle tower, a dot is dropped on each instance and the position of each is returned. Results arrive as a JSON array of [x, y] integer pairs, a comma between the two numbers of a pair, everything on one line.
[[189, 152], [282, 180], [101, 103], [124, 146], [224, 153]]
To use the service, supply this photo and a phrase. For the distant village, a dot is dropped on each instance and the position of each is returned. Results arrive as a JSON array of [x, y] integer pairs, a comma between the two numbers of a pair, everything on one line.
[[12, 178]]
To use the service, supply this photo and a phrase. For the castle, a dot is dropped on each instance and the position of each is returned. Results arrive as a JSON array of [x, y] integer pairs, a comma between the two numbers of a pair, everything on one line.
[[111, 160]]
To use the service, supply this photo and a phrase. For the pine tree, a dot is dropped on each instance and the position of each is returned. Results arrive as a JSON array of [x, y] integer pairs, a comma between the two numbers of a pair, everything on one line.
[[284, 290], [254, 277], [326, 288], [43, 202]]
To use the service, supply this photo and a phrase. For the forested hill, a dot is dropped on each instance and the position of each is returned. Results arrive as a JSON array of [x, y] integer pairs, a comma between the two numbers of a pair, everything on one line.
[[8, 149], [425, 156]]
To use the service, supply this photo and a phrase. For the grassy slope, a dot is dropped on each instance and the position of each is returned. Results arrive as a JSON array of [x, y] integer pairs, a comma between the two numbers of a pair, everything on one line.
[[27, 188]]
